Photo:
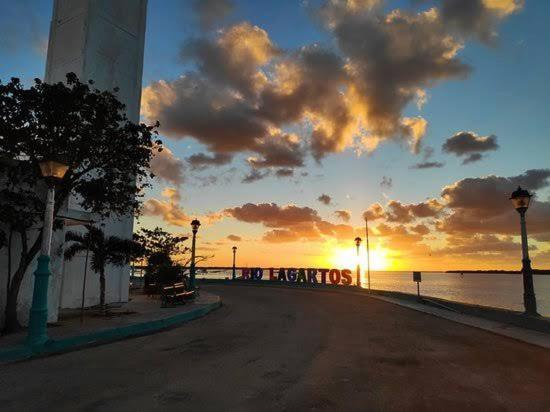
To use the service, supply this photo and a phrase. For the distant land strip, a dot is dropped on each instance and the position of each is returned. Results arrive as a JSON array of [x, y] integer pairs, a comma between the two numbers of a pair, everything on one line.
[[499, 272]]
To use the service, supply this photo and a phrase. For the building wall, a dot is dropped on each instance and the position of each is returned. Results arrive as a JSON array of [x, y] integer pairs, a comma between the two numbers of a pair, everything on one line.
[[103, 41]]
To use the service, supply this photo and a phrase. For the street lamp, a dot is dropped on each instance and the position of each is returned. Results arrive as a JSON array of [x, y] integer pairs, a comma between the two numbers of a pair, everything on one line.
[[234, 269], [357, 244], [520, 199], [368, 251], [195, 224], [51, 171]]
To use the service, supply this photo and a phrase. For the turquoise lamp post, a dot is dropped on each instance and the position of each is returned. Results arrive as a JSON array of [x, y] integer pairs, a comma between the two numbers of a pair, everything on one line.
[[38, 318]]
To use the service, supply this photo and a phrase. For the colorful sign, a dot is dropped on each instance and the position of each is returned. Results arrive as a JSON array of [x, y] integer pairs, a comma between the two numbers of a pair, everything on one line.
[[292, 275]]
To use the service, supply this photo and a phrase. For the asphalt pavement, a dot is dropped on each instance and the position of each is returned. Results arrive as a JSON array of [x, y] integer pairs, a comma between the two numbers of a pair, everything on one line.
[[282, 349]]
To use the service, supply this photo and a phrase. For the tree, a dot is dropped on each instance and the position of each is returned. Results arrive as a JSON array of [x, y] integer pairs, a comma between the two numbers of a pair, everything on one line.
[[157, 243], [103, 251], [108, 158]]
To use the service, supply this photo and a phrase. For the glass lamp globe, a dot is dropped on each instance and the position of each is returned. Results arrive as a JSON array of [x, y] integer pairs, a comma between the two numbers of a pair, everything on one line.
[[520, 199]]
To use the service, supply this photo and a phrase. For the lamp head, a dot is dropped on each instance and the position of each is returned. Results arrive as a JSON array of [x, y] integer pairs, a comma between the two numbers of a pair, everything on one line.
[[520, 199], [51, 169], [234, 249], [357, 241], [195, 224]]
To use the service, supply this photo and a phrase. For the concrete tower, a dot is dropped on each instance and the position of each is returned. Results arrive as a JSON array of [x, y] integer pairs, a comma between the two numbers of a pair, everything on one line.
[[103, 41]]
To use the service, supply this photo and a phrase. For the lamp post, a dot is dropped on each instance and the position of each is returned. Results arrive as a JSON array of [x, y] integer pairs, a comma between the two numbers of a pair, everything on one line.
[[520, 199], [38, 317], [368, 251], [234, 276], [357, 244], [195, 224]]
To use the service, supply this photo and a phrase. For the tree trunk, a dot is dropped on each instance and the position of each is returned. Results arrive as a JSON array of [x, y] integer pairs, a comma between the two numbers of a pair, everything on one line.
[[102, 290], [12, 323]]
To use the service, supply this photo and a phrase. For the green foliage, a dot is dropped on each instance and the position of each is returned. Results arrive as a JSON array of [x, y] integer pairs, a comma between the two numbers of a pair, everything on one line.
[[161, 243], [108, 156]]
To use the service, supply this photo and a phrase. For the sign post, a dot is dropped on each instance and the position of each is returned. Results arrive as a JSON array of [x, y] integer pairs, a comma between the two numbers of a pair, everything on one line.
[[417, 277]]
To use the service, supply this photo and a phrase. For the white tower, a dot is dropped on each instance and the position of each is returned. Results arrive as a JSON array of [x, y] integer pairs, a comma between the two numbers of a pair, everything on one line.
[[103, 41]]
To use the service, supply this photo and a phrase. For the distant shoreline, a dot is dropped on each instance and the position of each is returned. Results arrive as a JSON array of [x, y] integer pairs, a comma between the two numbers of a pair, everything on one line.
[[499, 272]]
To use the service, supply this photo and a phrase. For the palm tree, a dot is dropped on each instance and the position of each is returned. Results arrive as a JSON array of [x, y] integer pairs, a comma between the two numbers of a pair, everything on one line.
[[104, 250]]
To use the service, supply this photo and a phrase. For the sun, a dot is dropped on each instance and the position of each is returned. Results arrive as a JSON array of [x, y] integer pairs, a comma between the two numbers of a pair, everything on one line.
[[347, 258]]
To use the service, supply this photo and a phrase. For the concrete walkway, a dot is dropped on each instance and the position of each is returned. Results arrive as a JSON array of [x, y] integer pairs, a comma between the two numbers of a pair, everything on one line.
[[139, 316], [525, 335], [290, 349]]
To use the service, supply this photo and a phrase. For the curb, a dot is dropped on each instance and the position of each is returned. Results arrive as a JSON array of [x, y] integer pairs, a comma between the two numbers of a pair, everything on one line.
[[23, 351]]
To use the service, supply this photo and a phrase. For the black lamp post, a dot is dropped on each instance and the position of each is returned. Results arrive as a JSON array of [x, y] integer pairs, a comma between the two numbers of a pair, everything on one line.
[[51, 171], [195, 224], [358, 244], [520, 199], [234, 276]]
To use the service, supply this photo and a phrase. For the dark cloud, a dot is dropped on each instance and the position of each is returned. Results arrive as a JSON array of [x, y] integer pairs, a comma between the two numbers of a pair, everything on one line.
[[344, 215], [254, 175], [477, 18], [210, 12], [481, 205], [166, 167], [278, 150], [467, 143], [474, 157], [284, 172], [325, 199], [386, 183], [427, 165], [200, 161], [234, 238]]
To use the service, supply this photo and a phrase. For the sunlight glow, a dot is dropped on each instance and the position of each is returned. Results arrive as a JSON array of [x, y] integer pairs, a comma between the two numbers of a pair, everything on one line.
[[347, 258]]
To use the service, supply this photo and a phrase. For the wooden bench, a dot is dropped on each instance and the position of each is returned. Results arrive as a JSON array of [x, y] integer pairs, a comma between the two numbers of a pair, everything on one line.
[[175, 294]]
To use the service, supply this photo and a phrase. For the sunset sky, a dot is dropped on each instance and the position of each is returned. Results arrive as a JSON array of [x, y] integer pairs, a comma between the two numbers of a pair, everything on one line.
[[286, 120]]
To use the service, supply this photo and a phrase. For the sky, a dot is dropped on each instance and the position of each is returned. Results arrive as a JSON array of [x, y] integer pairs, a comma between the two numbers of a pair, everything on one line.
[[287, 121]]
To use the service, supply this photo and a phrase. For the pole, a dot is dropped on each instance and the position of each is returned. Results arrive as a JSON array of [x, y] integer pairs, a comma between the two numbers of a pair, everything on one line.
[[529, 299], [418, 290], [38, 317], [192, 269], [358, 268], [84, 282], [234, 275], [368, 251]]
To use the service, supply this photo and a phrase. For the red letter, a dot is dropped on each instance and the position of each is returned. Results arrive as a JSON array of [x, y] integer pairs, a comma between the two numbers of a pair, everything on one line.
[[334, 276], [346, 277]]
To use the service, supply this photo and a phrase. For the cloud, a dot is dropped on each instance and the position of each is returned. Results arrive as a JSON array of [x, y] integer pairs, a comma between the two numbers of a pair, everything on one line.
[[474, 157], [405, 213], [255, 175], [246, 92], [200, 161], [234, 238], [481, 205], [210, 12], [167, 167], [325, 199], [386, 183], [374, 212], [469, 143], [284, 172], [279, 149], [344, 215], [168, 209], [477, 18], [427, 165]]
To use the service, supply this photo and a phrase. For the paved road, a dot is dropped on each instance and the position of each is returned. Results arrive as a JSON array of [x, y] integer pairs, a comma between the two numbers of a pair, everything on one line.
[[286, 349]]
